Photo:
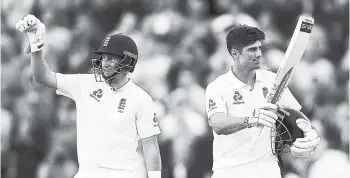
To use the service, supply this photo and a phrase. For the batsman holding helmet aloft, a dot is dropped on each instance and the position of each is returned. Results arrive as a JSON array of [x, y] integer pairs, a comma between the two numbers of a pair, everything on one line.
[[247, 130], [113, 113]]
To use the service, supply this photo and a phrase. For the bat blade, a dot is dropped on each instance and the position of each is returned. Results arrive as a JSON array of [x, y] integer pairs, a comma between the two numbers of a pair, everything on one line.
[[291, 58]]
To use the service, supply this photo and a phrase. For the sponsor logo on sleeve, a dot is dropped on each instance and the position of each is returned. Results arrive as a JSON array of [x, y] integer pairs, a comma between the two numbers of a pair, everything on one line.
[[155, 120], [212, 105]]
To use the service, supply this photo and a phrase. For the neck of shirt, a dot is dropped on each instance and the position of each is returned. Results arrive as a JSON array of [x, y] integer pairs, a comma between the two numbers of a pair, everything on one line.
[[117, 84], [247, 77]]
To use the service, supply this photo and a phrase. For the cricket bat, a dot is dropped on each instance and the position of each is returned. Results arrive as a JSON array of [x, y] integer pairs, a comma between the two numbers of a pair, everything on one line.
[[291, 58]]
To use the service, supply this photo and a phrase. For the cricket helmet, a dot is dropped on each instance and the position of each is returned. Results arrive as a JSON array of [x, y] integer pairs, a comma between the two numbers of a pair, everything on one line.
[[286, 130], [118, 45]]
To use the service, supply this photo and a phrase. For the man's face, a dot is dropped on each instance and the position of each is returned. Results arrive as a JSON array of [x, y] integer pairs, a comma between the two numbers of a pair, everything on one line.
[[250, 56], [109, 64]]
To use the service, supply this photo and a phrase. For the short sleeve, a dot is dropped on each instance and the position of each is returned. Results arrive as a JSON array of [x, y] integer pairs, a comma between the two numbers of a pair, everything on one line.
[[147, 122], [68, 85], [289, 100], [214, 101]]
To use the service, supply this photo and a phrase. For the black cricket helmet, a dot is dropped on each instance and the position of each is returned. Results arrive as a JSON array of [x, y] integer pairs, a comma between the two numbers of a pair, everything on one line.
[[286, 130], [118, 45]]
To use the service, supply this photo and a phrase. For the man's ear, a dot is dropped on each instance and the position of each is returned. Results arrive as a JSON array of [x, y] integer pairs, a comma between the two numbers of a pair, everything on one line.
[[234, 53]]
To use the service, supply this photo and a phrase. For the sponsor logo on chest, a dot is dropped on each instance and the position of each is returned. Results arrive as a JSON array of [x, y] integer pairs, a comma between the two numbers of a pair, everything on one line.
[[237, 98], [97, 94]]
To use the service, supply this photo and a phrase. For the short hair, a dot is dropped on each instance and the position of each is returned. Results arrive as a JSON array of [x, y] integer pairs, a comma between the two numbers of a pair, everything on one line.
[[243, 35]]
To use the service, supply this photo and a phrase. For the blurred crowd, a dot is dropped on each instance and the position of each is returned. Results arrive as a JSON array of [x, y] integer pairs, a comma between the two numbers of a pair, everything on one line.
[[181, 49]]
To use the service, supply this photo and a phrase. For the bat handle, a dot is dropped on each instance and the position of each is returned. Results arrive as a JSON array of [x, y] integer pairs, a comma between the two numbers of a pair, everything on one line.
[[271, 96]]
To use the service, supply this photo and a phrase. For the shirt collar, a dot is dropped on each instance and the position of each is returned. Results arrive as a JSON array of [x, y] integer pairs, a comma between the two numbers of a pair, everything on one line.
[[126, 85], [238, 83]]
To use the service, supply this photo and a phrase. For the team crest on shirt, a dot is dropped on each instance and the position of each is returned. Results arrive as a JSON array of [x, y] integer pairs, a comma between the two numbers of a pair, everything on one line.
[[121, 106], [212, 105], [237, 98], [97, 94], [265, 91]]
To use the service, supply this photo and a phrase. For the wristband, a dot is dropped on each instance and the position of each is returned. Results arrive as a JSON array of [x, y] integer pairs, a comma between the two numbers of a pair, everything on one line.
[[36, 47], [247, 124], [154, 174]]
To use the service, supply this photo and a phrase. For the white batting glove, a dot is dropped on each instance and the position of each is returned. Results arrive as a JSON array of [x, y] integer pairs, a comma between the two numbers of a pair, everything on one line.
[[264, 115], [303, 147], [34, 29]]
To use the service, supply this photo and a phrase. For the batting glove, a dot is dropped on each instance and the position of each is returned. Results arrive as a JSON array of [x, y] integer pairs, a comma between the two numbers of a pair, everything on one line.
[[265, 115], [34, 29], [303, 147]]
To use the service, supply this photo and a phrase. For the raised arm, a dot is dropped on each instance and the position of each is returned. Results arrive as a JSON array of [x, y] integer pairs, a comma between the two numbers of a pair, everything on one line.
[[35, 31], [41, 71]]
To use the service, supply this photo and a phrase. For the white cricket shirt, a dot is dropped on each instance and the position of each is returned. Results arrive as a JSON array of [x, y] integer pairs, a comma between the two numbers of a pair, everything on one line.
[[109, 123], [227, 94]]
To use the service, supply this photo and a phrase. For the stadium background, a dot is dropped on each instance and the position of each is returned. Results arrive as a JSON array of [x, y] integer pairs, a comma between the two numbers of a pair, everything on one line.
[[182, 47]]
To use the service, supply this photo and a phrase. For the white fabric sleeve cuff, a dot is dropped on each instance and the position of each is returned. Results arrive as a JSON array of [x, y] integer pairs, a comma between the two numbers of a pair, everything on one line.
[[154, 174]]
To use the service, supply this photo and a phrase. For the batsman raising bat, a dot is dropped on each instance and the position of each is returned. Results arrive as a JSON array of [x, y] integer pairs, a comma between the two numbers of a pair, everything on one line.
[[113, 113], [249, 132]]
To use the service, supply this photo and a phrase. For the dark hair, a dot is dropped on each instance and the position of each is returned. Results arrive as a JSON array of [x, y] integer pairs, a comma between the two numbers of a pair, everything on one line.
[[243, 35]]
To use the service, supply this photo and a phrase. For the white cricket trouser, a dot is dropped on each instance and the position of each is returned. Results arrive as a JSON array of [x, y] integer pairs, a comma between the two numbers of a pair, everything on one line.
[[107, 173], [263, 169]]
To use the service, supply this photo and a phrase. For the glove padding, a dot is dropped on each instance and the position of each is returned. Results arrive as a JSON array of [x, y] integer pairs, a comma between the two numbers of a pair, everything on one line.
[[34, 29], [303, 147], [264, 115]]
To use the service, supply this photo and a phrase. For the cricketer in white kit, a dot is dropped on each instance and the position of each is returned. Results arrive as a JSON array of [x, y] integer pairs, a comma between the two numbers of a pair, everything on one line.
[[113, 113], [239, 150]]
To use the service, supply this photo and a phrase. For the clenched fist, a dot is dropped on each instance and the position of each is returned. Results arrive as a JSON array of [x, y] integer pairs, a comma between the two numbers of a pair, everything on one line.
[[34, 29]]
